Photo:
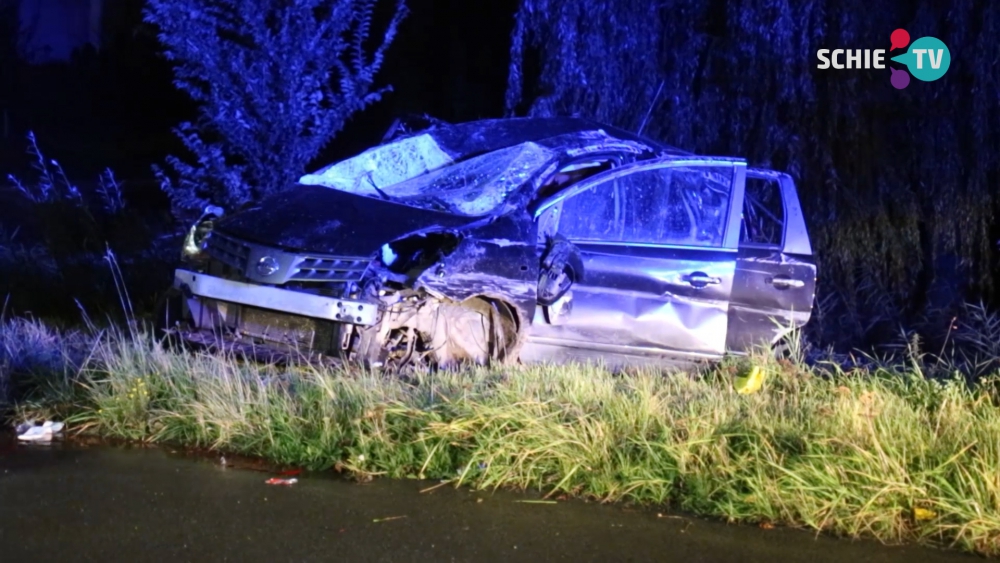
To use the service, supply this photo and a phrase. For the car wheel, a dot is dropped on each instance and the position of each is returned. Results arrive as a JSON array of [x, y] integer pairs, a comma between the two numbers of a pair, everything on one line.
[[404, 348], [443, 334]]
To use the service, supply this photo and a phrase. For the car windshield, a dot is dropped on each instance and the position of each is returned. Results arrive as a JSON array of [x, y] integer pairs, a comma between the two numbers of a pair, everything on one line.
[[474, 187]]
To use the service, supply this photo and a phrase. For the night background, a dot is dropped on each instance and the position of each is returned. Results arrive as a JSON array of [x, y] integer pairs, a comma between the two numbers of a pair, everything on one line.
[[124, 436], [899, 186]]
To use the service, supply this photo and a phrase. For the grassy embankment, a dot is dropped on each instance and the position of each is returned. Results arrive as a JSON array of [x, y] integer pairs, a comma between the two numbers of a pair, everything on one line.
[[885, 453]]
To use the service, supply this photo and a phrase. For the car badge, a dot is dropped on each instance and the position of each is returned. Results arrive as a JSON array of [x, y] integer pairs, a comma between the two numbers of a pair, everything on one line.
[[267, 266]]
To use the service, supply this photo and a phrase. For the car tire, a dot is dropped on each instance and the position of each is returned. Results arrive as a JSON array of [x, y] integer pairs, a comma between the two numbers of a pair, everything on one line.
[[455, 338]]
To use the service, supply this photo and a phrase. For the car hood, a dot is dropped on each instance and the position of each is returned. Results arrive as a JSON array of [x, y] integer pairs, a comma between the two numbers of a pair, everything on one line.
[[328, 221]]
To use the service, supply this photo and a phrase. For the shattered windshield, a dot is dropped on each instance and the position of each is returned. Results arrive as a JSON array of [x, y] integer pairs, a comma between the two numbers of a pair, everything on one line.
[[474, 187]]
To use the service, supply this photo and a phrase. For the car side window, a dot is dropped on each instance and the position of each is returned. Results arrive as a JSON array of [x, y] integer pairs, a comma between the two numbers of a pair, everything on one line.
[[763, 213], [668, 205]]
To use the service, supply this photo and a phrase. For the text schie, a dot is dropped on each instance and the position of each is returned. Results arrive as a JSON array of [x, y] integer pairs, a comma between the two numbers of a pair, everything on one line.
[[850, 58]]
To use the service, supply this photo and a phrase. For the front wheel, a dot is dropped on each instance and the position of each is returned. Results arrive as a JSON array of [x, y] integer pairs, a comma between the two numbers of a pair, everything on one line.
[[440, 334]]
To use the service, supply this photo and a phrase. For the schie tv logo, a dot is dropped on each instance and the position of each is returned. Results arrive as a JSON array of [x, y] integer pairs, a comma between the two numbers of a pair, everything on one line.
[[927, 59]]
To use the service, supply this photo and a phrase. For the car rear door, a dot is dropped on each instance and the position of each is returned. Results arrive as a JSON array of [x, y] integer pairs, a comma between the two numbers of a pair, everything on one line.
[[658, 244], [775, 271]]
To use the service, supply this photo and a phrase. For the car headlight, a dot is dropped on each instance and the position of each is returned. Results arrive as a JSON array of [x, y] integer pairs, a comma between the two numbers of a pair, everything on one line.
[[194, 242]]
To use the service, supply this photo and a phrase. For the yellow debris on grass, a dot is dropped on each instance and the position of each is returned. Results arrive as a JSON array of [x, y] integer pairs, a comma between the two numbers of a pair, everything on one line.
[[923, 514], [750, 383]]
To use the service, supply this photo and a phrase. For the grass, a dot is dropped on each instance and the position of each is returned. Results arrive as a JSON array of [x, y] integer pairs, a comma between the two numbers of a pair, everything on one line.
[[885, 453]]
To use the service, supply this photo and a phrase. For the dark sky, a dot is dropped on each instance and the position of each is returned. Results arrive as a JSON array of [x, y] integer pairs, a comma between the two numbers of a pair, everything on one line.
[[449, 60], [56, 27]]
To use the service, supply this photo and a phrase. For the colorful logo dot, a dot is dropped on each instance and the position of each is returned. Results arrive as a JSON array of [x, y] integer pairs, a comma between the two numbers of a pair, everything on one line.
[[900, 78], [900, 38]]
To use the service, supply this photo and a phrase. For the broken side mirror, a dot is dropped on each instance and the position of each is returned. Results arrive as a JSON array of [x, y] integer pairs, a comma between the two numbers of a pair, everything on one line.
[[561, 266]]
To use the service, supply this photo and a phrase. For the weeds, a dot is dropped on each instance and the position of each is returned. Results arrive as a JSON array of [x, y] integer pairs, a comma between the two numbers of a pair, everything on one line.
[[39, 365], [52, 185], [59, 255], [883, 452]]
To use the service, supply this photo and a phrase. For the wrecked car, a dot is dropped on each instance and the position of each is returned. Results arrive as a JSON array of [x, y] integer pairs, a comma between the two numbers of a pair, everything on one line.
[[506, 240]]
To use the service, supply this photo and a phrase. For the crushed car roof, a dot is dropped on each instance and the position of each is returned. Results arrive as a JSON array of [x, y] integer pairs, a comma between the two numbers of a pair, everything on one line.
[[411, 155], [486, 135]]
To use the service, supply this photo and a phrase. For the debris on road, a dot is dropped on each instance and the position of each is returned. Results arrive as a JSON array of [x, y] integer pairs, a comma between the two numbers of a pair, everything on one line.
[[671, 516], [40, 434], [432, 487], [280, 481], [387, 519]]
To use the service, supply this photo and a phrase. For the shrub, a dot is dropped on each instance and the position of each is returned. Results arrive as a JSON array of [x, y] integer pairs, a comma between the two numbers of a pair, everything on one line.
[[275, 82], [63, 253]]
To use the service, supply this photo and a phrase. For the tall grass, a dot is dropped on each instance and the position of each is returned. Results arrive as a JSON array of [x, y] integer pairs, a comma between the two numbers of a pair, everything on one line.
[[39, 364], [55, 260], [884, 453]]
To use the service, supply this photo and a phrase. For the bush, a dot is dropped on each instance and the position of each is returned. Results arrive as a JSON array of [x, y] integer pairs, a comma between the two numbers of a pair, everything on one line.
[[275, 82], [69, 246]]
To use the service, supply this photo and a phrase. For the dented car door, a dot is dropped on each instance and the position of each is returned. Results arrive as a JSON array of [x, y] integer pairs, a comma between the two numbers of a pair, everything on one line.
[[657, 242]]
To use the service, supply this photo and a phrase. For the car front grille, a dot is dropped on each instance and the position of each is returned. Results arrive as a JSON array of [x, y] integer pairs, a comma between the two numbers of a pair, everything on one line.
[[328, 269], [301, 268], [229, 251]]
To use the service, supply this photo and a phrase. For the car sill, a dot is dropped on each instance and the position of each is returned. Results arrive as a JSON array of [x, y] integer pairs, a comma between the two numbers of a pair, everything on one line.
[[638, 351]]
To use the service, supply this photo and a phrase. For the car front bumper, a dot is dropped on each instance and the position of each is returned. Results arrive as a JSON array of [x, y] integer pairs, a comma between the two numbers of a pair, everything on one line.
[[194, 284]]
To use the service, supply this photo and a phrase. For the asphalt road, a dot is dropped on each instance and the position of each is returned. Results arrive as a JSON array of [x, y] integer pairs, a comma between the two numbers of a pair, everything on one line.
[[106, 504]]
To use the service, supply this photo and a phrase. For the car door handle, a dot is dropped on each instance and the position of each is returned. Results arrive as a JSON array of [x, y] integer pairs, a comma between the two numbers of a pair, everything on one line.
[[701, 279], [784, 282]]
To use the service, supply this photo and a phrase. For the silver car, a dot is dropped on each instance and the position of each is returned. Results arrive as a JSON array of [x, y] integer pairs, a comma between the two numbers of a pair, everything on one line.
[[531, 239]]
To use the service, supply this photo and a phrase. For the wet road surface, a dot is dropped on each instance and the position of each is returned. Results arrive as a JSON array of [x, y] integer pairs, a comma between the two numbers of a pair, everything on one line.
[[108, 504]]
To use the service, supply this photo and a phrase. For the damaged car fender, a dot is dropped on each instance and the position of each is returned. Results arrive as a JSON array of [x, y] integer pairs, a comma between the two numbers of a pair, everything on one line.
[[468, 293], [561, 267], [497, 259]]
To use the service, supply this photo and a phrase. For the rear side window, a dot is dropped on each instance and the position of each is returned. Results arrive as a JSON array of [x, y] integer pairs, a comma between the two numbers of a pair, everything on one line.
[[669, 205], [763, 213]]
